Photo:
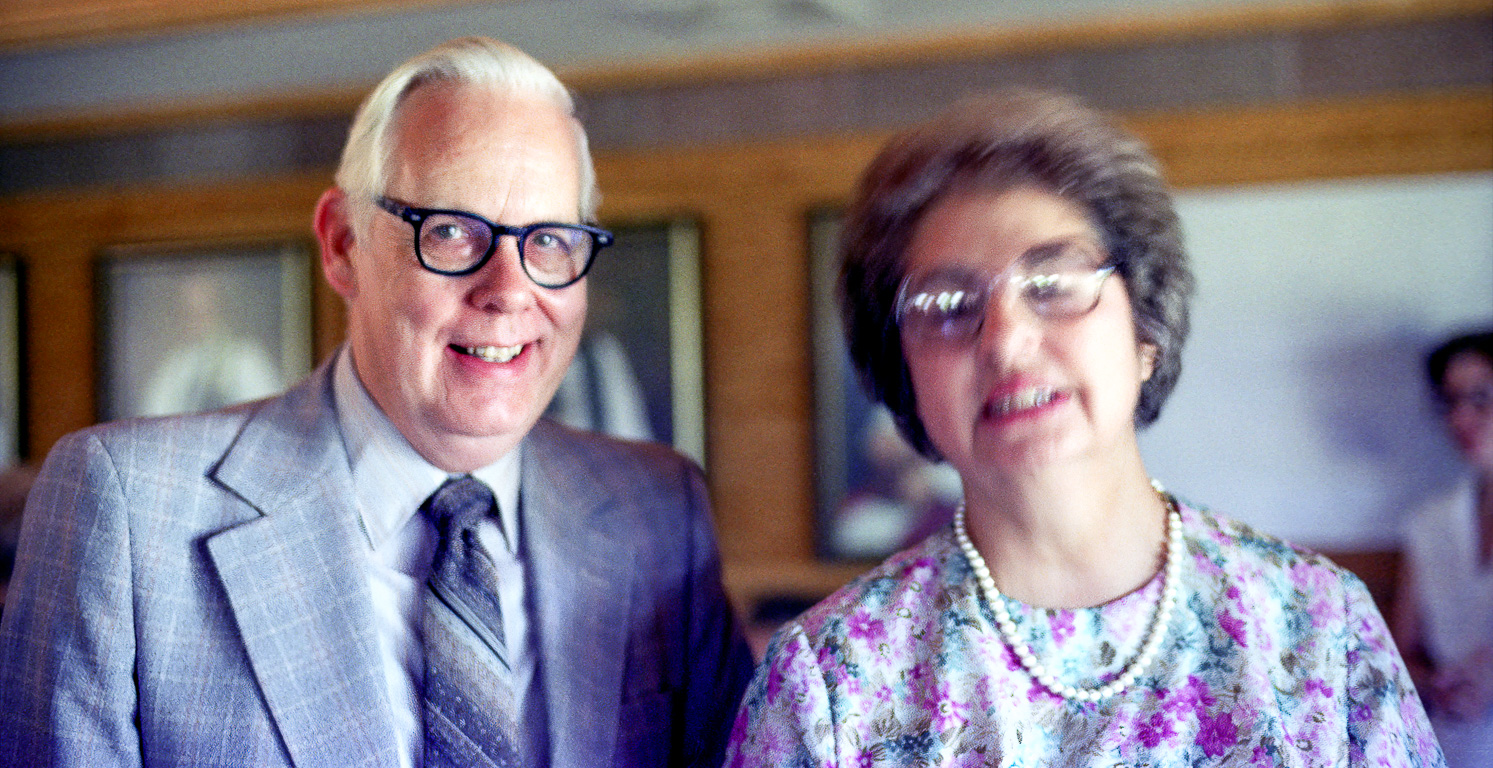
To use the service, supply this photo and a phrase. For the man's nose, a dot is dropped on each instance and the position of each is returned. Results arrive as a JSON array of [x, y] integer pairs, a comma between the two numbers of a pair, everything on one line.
[[501, 285]]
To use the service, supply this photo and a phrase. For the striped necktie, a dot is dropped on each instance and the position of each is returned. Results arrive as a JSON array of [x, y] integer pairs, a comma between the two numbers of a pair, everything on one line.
[[469, 710]]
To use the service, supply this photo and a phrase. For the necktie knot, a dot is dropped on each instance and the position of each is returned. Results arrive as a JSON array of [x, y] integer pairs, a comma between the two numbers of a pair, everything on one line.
[[458, 505]]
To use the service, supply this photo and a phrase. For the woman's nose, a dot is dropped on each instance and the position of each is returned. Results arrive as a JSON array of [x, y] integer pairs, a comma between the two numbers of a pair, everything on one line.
[[1010, 330]]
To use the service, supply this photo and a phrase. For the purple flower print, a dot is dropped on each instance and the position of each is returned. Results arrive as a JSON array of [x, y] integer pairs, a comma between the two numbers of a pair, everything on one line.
[[1155, 730], [1216, 734], [775, 677], [863, 627], [946, 712], [1235, 627], [827, 656], [922, 569], [1062, 627], [1037, 693], [974, 758], [772, 742], [1012, 663], [1192, 697], [1372, 638], [1305, 577], [919, 680], [1197, 690], [1317, 685], [837, 677], [1317, 582], [1324, 612], [1205, 565]]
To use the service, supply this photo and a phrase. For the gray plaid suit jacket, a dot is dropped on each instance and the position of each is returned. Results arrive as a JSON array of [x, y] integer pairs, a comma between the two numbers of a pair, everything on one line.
[[189, 592]]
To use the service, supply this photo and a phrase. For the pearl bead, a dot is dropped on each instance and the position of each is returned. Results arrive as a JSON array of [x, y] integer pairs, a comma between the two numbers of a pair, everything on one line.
[[1156, 628]]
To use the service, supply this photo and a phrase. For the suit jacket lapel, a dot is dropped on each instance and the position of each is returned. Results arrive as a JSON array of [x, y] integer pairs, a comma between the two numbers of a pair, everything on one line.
[[583, 573], [297, 587]]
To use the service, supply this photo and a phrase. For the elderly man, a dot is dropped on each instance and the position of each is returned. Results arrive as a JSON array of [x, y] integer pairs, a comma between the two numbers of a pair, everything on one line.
[[395, 563]]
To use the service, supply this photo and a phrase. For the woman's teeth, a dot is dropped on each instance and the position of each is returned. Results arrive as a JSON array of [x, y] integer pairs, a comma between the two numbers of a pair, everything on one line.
[[1021, 401], [493, 354]]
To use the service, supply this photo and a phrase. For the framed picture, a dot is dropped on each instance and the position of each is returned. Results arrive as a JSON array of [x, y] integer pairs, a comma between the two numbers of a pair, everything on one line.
[[639, 373], [11, 423], [874, 493], [184, 330]]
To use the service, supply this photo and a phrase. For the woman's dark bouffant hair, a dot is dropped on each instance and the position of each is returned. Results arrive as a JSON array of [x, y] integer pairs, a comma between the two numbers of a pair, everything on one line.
[[996, 142], [1480, 343]]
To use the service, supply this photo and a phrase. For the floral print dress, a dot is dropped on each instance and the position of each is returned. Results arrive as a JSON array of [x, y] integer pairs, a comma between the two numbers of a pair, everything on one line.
[[1273, 657]]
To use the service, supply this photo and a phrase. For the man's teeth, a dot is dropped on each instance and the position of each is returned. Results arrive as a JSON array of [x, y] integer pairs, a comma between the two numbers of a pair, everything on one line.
[[494, 354], [1021, 401]]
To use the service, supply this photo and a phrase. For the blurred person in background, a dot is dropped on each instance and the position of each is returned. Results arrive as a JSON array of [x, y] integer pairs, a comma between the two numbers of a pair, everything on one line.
[[1444, 615]]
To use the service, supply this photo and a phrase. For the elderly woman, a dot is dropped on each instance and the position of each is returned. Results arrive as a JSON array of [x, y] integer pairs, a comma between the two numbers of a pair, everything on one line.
[[1015, 291], [1445, 620]]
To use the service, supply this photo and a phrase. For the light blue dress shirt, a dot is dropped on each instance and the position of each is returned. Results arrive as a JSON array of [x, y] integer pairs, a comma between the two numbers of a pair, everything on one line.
[[392, 481]]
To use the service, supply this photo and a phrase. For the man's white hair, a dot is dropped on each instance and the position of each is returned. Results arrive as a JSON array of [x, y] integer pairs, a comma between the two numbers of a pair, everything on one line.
[[478, 61]]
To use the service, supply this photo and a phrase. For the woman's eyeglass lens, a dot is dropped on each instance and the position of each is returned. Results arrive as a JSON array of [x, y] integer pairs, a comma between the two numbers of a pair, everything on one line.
[[948, 304]]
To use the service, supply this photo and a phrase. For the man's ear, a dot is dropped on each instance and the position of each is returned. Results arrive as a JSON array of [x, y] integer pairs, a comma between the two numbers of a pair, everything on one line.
[[334, 233]]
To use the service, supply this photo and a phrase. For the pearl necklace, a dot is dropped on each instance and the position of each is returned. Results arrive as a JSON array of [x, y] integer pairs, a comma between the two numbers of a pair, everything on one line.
[[1023, 652]]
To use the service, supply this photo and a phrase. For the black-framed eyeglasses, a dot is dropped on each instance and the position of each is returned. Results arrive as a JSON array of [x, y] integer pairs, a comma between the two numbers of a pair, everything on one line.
[[450, 242], [1057, 281]]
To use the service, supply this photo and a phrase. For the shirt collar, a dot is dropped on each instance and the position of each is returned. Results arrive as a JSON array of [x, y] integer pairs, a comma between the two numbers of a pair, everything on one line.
[[390, 478]]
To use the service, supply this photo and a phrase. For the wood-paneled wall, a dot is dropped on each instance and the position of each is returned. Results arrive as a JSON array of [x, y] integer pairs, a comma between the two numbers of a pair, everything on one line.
[[25, 23], [752, 202]]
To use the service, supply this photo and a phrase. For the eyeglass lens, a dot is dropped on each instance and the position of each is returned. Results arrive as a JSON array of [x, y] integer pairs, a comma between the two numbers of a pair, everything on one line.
[[1058, 281], [1479, 399], [551, 254]]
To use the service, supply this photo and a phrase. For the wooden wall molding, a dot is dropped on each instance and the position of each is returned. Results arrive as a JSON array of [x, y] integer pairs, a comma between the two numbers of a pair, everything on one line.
[[1017, 39], [1380, 136], [35, 23], [113, 122], [752, 203], [754, 65], [1374, 136]]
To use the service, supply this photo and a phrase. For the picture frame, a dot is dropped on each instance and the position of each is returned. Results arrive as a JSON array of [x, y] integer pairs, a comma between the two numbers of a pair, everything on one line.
[[12, 425], [874, 494], [644, 334], [194, 328]]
